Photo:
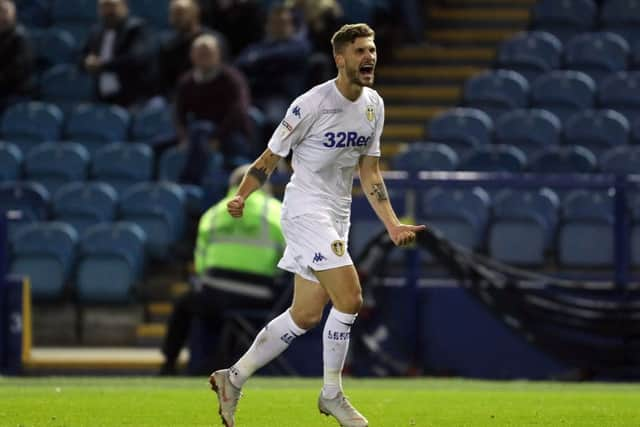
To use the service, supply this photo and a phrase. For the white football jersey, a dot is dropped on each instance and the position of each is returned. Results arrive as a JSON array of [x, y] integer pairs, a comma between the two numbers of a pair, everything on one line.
[[327, 134]]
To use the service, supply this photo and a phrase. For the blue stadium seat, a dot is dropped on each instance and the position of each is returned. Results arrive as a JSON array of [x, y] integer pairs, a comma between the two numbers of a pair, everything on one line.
[[564, 18], [585, 237], [66, 86], [635, 131], [634, 207], [33, 13], [597, 130], [10, 162], [123, 165], [425, 156], [75, 16], [45, 253], [30, 123], [496, 92], [563, 159], [54, 164], [621, 92], [523, 225], [494, 158], [53, 46], [96, 125], [461, 129], [154, 12], [530, 130], [621, 160], [530, 53], [596, 54], [111, 262], [84, 204], [460, 214], [152, 123], [622, 17], [26, 202], [159, 209], [563, 92]]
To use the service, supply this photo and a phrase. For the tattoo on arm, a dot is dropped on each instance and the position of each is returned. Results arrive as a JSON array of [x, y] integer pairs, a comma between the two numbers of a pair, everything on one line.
[[260, 174], [380, 192]]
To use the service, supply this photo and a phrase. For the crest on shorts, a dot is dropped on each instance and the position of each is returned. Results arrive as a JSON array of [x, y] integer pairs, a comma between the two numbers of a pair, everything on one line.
[[371, 114], [337, 246]]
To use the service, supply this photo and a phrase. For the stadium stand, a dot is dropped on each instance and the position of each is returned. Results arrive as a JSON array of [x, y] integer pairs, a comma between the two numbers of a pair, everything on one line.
[[56, 163], [495, 158], [530, 53], [597, 130], [426, 156], [66, 86], [84, 204], [564, 159], [621, 17], [27, 201], [30, 123], [596, 54], [95, 125], [564, 19], [528, 129], [10, 162], [621, 92], [563, 92], [123, 165], [461, 129], [496, 92], [74, 16]]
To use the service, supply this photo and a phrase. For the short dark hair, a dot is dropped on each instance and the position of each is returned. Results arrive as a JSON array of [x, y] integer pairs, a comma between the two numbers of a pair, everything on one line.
[[348, 34]]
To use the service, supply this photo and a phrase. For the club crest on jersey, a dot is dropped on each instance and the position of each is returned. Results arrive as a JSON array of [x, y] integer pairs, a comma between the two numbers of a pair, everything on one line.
[[337, 246], [371, 114]]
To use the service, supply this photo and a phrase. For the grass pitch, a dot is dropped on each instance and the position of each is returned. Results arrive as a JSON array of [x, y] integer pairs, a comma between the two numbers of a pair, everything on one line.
[[285, 402]]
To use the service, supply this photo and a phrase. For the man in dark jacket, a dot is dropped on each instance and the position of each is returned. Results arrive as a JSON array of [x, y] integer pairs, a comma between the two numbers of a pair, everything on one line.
[[118, 54], [17, 59]]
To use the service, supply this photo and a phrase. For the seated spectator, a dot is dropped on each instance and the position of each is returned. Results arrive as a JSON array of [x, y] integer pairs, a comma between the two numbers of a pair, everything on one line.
[[173, 57], [218, 93], [276, 67], [118, 54], [240, 20], [17, 58], [225, 280]]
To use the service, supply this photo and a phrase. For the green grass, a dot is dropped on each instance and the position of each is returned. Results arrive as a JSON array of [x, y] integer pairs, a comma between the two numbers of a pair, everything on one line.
[[285, 402]]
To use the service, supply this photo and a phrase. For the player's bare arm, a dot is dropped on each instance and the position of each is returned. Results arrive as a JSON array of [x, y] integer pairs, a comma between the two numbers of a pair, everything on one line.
[[259, 172], [378, 197]]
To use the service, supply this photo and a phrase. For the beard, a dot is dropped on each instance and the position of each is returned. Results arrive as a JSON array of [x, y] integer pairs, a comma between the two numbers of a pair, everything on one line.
[[355, 77]]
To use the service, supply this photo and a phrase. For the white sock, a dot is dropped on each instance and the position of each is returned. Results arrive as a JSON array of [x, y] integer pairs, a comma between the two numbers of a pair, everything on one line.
[[272, 340], [335, 343]]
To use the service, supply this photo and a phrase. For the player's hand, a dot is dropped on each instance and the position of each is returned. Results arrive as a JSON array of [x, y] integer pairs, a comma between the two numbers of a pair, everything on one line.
[[403, 234], [235, 206]]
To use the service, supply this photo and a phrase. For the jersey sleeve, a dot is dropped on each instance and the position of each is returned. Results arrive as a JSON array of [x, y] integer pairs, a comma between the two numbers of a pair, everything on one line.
[[292, 129], [374, 148]]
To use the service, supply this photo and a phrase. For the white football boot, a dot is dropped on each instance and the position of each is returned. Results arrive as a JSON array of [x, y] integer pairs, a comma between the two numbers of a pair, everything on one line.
[[342, 410], [228, 396]]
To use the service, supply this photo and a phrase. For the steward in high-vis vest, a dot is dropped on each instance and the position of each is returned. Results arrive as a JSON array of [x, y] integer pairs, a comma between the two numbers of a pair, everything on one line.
[[236, 264]]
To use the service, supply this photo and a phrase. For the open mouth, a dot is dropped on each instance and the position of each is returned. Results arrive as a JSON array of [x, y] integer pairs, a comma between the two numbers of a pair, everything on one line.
[[366, 70]]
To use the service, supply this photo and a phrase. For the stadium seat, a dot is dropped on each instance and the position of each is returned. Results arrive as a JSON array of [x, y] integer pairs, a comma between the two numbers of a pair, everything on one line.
[[563, 159], [519, 216], [563, 92], [564, 18], [65, 85], [154, 12], [96, 125], [494, 158], [585, 237], [152, 123], [530, 53], [30, 123], [122, 165], [33, 13], [25, 202], [57, 163], [597, 130], [159, 209], [53, 46], [634, 207], [111, 262], [621, 92], [621, 160], [84, 204], [460, 214], [425, 156], [461, 129], [622, 17], [10, 162], [496, 92], [45, 253], [596, 54], [75, 16], [529, 130]]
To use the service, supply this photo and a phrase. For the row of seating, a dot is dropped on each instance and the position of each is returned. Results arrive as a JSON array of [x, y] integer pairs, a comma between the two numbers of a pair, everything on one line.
[[532, 227], [566, 18], [104, 264]]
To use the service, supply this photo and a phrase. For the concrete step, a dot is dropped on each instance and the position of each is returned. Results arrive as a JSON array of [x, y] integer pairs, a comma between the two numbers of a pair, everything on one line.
[[441, 94], [159, 311], [515, 4], [411, 114], [494, 14], [425, 74], [402, 132], [487, 37], [450, 55]]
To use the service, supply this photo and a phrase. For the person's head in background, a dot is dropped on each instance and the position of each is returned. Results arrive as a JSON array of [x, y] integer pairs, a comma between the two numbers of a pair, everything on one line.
[[184, 15], [205, 57], [113, 12], [280, 23], [7, 15]]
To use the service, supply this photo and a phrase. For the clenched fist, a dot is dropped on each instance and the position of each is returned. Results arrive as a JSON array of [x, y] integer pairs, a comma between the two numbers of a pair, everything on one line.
[[235, 206]]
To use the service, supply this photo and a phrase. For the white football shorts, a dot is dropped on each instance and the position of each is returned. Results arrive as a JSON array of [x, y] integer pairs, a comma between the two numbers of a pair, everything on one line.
[[315, 242]]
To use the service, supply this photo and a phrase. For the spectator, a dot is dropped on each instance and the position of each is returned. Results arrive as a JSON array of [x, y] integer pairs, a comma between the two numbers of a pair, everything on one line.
[[276, 67], [17, 58], [118, 53], [173, 58], [218, 93], [240, 20], [225, 280]]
